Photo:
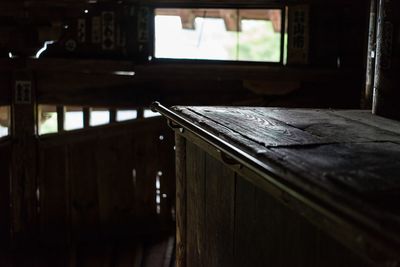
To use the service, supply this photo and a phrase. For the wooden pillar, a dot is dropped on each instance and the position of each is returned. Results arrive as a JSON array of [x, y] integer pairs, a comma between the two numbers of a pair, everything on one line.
[[24, 184], [369, 79], [180, 152], [387, 68]]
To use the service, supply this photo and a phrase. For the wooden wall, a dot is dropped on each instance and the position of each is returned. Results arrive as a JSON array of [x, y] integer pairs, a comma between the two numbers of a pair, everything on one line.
[[101, 183], [231, 222]]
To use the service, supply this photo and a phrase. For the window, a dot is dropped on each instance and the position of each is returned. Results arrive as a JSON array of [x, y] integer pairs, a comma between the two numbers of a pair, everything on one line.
[[99, 116], [73, 118], [48, 119], [219, 34], [5, 121], [124, 115]]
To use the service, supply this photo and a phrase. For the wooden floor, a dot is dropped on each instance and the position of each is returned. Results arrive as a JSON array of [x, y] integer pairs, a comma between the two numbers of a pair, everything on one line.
[[144, 253]]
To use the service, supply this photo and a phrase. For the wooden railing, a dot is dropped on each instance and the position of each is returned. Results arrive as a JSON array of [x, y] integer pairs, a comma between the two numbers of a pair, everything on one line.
[[109, 181]]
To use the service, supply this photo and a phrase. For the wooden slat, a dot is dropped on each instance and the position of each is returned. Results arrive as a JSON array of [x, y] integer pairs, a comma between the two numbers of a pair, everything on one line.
[[196, 234], [181, 177], [219, 214]]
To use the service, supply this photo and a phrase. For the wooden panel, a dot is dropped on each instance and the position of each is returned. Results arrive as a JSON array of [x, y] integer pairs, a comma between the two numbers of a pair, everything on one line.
[[196, 233]]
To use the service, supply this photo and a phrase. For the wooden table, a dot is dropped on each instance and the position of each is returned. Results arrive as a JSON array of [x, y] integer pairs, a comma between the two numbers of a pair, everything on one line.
[[286, 187]]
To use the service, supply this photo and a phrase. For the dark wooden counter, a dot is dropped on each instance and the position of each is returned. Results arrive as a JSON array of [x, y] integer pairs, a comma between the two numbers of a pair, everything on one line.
[[338, 170]]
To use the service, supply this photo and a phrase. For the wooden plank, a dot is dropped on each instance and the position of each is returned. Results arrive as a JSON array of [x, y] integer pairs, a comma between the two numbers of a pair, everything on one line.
[[335, 125], [264, 130], [180, 145], [362, 178], [294, 126], [366, 117], [365, 168], [245, 254], [219, 213], [196, 233]]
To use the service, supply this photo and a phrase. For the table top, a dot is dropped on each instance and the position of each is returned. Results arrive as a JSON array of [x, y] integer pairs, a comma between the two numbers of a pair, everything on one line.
[[351, 156]]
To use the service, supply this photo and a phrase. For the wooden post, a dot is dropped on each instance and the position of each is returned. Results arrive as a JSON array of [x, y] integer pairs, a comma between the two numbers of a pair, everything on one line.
[[24, 184], [387, 68], [369, 81], [180, 152]]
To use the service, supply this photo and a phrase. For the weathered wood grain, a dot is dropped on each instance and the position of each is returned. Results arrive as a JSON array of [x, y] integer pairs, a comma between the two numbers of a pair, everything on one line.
[[258, 128], [340, 159], [336, 126], [196, 234], [181, 176]]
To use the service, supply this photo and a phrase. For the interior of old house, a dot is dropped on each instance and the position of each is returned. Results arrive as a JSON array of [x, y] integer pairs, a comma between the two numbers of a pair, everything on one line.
[[163, 133]]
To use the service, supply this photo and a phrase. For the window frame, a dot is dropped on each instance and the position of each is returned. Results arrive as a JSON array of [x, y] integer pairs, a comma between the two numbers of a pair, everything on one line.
[[280, 63]]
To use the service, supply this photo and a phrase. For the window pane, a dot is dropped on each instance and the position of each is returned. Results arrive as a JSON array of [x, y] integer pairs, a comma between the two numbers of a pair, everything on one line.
[[149, 113], [99, 116], [73, 118], [218, 34], [47, 119], [4, 121], [123, 115]]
